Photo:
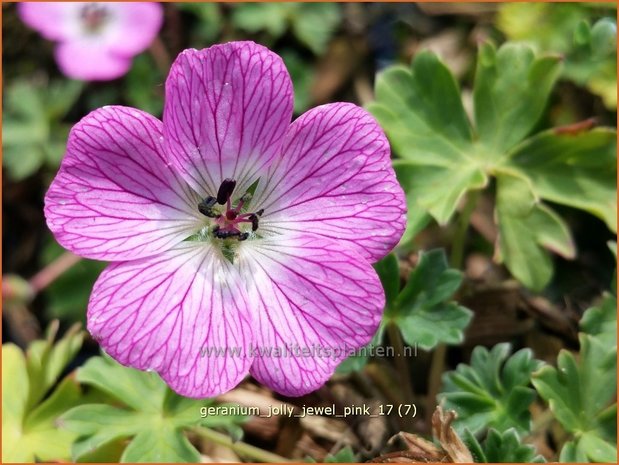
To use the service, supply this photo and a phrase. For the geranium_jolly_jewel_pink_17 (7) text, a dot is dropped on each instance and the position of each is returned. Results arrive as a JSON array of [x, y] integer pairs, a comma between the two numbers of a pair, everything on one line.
[[240, 242]]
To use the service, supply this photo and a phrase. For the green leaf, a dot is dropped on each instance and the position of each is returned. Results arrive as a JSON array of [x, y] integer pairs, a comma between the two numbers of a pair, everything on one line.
[[422, 113], [21, 161], [254, 17], [60, 96], [422, 309], [144, 85], [344, 455], [209, 17], [527, 230], [601, 321], [151, 415], [160, 444], [545, 26], [581, 394], [502, 447], [493, 391], [388, 271], [416, 216], [315, 23], [33, 134], [440, 159], [512, 87], [302, 75], [578, 170], [360, 359], [15, 387], [604, 38], [30, 421], [46, 361], [125, 384], [23, 100], [589, 53]]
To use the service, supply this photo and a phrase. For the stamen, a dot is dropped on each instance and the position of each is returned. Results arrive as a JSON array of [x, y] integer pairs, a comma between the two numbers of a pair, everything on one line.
[[254, 221], [245, 198], [229, 219], [206, 207], [225, 191], [225, 234]]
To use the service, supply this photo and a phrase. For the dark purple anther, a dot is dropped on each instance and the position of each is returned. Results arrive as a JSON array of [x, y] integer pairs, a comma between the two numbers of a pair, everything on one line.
[[254, 221], [225, 190]]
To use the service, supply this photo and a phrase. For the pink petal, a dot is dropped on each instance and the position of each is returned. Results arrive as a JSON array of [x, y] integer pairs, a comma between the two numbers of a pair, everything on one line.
[[136, 26], [53, 20], [90, 61], [165, 313], [227, 109], [310, 293], [335, 179], [115, 196]]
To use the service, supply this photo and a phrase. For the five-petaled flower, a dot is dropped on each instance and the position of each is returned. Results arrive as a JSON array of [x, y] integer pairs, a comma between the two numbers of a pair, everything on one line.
[[233, 234], [96, 40]]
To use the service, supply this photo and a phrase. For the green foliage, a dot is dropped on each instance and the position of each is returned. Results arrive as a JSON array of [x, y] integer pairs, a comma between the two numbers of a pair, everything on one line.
[[493, 391], [209, 22], [528, 228], [302, 75], [581, 392], [601, 321], [579, 171], [151, 414], [358, 360], [442, 157], [30, 407], [67, 297], [33, 134], [502, 447], [588, 46], [344, 455], [422, 309], [313, 24], [144, 85]]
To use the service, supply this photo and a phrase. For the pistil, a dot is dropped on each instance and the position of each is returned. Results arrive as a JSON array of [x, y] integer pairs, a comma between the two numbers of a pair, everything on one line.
[[227, 222]]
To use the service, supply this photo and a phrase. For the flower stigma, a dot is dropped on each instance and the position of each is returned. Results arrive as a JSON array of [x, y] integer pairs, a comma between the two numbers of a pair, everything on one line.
[[229, 220]]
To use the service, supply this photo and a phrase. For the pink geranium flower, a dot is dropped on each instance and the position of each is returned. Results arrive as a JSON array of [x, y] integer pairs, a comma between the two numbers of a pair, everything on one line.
[[96, 40], [209, 281]]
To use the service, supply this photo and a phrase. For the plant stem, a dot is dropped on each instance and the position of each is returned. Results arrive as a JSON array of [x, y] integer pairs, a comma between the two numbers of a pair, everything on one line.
[[52, 271], [457, 247], [437, 367], [400, 362], [160, 55], [242, 448], [457, 255]]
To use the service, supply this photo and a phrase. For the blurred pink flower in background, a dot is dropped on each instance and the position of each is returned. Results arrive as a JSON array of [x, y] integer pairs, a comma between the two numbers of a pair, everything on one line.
[[96, 41]]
